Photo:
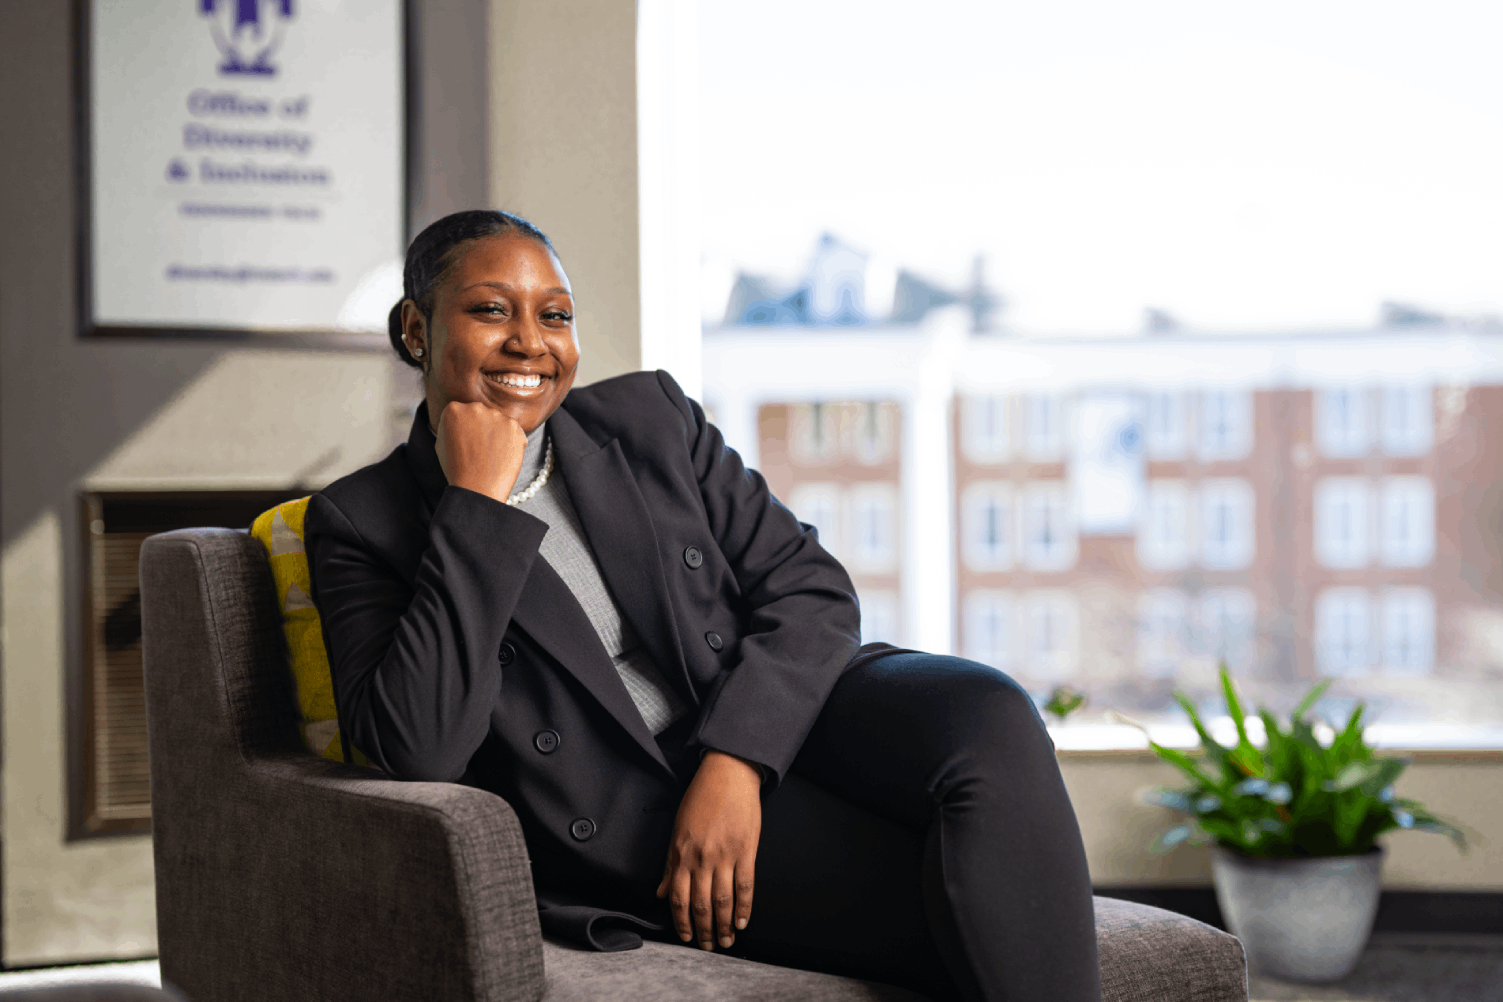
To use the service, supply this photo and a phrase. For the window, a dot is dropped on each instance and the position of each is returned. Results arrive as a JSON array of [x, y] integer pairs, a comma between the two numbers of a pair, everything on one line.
[[1408, 632], [1408, 511], [1341, 422], [1052, 635], [984, 429], [875, 432], [987, 624], [879, 616], [1161, 632], [1164, 426], [1408, 420], [1225, 425], [1046, 433], [1227, 620], [813, 436], [1049, 542], [1341, 632], [1164, 536], [1341, 522], [819, 505], [986, 526], [871, 545], [1226, 524]]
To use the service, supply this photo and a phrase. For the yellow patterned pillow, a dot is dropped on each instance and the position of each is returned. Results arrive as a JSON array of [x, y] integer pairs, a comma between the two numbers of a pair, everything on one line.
[[280, 530]]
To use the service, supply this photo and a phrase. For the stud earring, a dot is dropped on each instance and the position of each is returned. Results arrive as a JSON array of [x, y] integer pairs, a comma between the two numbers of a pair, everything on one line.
[[417, 353]]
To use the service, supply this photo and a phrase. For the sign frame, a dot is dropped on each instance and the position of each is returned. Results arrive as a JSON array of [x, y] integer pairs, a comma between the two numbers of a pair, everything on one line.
[[88, 327]]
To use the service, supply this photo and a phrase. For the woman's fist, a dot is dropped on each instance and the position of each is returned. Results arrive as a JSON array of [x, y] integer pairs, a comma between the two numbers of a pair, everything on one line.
[[480, 448]]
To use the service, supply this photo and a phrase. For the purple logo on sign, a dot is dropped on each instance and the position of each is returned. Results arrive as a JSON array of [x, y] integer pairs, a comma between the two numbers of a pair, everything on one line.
[[247, 37]]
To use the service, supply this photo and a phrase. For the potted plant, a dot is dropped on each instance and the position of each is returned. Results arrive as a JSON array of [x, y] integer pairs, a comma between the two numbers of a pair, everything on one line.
[[1295, 825]]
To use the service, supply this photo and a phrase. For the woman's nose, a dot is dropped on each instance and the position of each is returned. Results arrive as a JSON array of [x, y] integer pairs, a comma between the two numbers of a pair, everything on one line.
[[526, 339]]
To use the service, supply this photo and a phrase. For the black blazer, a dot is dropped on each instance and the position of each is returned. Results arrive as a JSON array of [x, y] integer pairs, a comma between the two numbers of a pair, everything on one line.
[[458, 655]]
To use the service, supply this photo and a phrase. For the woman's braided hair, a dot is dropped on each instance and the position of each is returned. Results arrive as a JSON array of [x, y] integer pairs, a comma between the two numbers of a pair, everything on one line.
[[434, 251]]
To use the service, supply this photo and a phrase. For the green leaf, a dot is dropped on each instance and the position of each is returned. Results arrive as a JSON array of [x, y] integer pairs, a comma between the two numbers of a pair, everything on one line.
[[1316, 691], [1233, 705], [1185, 764], [1355, 774], [1388, 771], [1213, 748], [1171, 838]]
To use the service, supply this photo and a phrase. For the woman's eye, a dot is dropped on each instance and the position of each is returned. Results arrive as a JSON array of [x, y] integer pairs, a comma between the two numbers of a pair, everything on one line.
[[491, 308], [558, 315]]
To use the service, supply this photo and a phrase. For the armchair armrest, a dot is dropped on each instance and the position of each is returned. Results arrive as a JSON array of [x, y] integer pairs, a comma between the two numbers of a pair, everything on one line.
[[332, 882]]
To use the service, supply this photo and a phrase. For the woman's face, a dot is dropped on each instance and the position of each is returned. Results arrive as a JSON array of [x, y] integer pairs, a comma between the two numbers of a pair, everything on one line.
[[502, 331]]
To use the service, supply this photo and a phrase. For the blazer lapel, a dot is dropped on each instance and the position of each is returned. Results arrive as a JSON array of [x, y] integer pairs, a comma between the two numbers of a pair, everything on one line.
[[549, 613], [616, 523], [547, 610]]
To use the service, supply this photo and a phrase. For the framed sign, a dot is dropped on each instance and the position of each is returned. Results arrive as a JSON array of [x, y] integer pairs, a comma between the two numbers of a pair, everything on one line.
[[243, 166]]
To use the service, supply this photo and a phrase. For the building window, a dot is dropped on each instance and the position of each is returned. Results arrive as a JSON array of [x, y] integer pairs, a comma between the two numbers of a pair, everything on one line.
[[988, 627], [1226, 524], [871, 543], [1341, 632], [1341, 422], [819, 505], [1408, 632], [879, 616], [986, 525], [1408, 510], [1052, 635], [1227, 620], [813, 434], [1342, 506], [1225, 425], [1161, 632], [984, 429], [1408, 421], [1049, 542], [1164, 535], [875, 432], [1045, 432], [1164, 426]]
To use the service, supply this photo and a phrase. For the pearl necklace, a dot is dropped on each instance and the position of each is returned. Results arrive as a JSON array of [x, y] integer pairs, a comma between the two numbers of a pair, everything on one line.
[[538, 481]]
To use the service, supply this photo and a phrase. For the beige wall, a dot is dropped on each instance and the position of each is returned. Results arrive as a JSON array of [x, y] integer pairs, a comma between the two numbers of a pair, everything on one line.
[[563, 153], [1118, 828], [84, 415]]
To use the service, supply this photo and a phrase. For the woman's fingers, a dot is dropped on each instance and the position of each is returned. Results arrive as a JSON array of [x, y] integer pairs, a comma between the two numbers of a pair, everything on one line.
[[723, 900], [678, 902], [700, 907], [745, 882]]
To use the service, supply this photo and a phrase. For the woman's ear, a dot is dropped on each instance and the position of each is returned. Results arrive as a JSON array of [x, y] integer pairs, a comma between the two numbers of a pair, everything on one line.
[[415, 332]]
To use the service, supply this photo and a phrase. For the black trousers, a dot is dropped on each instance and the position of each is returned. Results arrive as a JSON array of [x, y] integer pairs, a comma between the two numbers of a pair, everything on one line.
[[924, 838]]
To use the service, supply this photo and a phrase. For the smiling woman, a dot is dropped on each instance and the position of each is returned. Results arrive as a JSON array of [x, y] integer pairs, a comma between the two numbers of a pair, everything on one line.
[[656, 665]]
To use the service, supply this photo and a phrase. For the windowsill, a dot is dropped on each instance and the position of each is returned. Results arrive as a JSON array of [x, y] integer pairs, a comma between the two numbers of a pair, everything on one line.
[[1428, 741]]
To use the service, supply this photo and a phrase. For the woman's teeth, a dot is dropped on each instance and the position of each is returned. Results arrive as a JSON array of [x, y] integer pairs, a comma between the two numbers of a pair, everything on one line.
[[521, 382]]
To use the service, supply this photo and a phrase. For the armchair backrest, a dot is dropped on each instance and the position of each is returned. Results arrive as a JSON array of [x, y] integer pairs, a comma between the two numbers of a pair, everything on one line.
[[218, 692]]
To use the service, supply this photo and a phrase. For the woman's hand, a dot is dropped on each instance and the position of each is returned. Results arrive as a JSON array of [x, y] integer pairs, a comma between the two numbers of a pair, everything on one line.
[[480, 448], [713, 855]]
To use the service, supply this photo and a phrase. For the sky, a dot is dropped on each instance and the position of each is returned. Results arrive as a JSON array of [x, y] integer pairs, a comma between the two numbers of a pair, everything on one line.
[[1239, 165]]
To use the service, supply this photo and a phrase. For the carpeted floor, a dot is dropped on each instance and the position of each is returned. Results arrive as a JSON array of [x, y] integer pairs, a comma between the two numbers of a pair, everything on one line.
[[1407, 968]]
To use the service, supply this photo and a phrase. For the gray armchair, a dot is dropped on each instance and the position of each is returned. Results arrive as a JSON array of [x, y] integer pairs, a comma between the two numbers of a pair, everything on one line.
[[284, 876]]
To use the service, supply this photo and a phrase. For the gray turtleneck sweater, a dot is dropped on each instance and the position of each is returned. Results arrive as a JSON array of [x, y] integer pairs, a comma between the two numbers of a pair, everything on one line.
[[568, 552]]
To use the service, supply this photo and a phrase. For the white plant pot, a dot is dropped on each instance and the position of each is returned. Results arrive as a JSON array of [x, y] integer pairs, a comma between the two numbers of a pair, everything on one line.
[[1299, 919]]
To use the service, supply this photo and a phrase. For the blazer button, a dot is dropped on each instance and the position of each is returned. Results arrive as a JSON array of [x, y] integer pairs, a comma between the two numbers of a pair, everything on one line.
[[546, 741], [506, 655], [713, 639], [582, 829], [693, 557]]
